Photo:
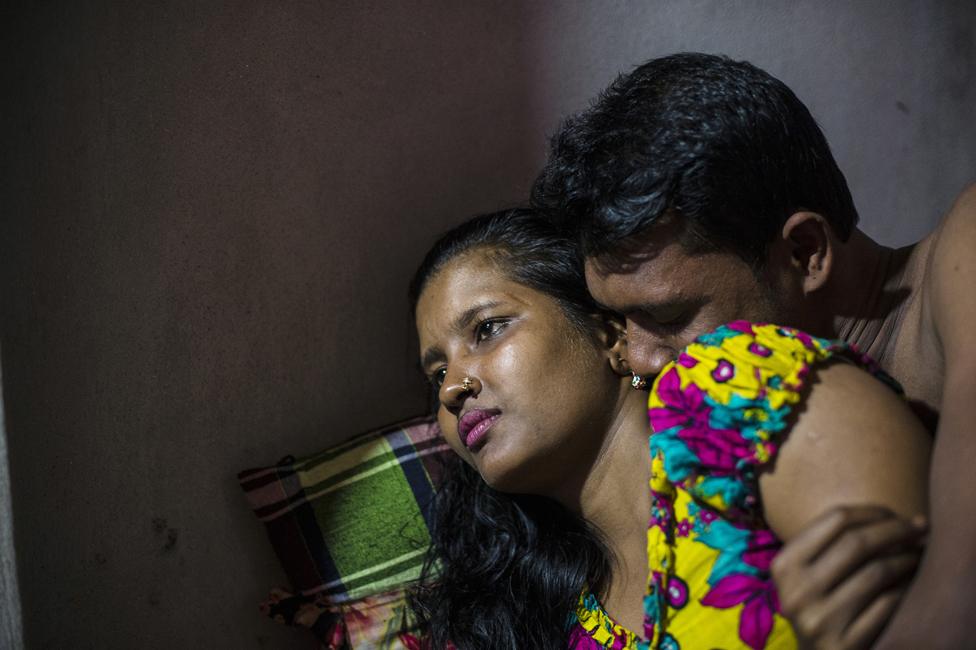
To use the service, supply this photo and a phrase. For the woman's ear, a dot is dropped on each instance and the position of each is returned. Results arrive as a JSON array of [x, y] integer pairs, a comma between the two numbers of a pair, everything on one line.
[[806, 245], [615, 339]]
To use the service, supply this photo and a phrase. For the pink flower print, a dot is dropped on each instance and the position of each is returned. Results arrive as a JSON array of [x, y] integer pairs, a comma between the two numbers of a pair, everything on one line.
[[662, 510], [759, 349], [743, 326], [648, 628], [723, 372], [707, 516], [759, 605], [580, 639], [802, 337], [684, 528], [679, 405], [686, 360], [677, 592], [763, 547], [717, 449]]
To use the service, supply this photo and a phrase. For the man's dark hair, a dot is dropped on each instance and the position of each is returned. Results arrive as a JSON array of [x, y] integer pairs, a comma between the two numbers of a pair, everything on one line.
[[717, 143]]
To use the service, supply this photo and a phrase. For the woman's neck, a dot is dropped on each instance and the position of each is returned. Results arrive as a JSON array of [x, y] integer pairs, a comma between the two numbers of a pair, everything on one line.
[[615, 498], [620, 475]]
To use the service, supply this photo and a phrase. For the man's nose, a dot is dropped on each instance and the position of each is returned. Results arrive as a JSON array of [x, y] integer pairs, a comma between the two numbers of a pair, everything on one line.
[[648, 354]]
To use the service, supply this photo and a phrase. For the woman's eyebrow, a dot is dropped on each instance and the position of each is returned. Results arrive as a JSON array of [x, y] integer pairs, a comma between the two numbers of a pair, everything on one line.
[[466, 317], [430, 357], [462, 322]]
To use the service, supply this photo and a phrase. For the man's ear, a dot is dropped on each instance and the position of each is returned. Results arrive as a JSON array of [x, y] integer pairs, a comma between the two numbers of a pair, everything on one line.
[[615, 338], [806, 244]]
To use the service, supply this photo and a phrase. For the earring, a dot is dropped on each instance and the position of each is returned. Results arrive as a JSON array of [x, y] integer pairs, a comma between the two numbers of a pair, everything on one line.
[[637, 382]]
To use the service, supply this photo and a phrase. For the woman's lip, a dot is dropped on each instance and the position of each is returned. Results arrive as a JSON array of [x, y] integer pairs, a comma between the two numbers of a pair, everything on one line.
[[477, 433], [473, 425]]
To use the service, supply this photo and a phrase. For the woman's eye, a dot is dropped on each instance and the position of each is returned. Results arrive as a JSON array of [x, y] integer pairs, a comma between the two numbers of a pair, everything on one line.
[[437, 378], [487, 329]]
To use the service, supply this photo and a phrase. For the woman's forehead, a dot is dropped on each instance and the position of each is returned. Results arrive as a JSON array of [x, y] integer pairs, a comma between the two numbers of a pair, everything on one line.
[[461, 277], [461, 290], [455, 291]]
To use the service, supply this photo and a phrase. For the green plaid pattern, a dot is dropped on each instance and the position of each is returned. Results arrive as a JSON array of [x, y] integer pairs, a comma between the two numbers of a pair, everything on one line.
[[352, 521]]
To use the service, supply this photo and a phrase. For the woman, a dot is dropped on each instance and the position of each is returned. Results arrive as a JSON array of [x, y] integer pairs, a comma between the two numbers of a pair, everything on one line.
[[545, 517]]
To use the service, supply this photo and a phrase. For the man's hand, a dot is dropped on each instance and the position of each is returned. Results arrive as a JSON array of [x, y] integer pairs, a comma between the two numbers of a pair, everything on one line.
[[840, 579]]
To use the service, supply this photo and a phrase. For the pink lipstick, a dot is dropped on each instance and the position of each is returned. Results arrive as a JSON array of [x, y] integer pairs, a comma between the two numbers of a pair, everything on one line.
[[473, 426]]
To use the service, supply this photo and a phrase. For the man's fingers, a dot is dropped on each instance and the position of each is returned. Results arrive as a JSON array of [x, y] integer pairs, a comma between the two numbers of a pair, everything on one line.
[[869, 624], [801, 587], [850, 613], [858, 546], [875, 577], [825, 528]]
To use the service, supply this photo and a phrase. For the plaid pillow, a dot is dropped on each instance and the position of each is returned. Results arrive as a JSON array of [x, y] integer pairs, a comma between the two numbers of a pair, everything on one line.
[[351, 521], [381, 622]]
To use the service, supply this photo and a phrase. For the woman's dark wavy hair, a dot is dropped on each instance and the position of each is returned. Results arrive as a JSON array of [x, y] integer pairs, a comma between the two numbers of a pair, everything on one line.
[[506, 570], [718, 143]]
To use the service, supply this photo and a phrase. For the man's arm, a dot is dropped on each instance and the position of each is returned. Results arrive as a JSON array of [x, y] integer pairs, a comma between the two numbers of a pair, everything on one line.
[[841, 579], [829, 577], [939, 609]]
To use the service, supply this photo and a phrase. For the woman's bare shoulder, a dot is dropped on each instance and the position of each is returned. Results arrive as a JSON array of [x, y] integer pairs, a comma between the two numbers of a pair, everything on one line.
[[854, 441]]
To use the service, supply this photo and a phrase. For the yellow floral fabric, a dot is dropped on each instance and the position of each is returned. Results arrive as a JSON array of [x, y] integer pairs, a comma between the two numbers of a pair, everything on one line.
[[718, 414]]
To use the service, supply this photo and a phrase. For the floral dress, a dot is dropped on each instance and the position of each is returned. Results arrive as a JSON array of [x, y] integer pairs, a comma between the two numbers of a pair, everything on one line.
[[718, 414]]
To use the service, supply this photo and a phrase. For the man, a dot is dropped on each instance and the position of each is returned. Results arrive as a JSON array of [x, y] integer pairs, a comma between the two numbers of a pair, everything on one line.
[[702, 191]]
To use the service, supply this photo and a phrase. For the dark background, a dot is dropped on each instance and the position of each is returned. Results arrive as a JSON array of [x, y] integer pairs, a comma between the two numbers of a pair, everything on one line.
[[211, 210]]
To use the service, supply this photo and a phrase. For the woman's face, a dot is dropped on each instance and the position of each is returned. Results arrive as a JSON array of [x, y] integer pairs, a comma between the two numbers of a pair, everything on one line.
[[525, 397]]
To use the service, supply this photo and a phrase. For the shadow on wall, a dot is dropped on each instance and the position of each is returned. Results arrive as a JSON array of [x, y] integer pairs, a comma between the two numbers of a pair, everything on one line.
[[212, 212], [11, 632]]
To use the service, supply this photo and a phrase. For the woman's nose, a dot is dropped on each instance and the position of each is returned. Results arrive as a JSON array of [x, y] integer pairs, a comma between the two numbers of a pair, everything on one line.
[[457, 388]]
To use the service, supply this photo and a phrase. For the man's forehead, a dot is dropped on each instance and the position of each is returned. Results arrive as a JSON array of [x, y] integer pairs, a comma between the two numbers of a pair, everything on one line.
[[631, 288], [633, 253], [653, 269]]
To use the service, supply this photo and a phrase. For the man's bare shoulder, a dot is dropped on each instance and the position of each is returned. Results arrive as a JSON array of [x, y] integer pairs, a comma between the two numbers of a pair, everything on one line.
[[939, 243], [950, 276], [938, 275], [960, 218]]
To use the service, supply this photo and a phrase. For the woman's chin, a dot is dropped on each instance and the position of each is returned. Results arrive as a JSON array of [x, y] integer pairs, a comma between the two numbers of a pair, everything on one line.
[[500, 476], [506, 476]]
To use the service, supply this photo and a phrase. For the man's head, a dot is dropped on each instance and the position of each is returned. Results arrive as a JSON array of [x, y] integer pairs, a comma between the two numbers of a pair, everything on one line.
[[713, 156]]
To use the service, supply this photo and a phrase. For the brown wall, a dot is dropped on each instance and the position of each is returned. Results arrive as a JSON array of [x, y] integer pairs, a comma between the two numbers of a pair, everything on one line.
[[210, 211], [211, 219]]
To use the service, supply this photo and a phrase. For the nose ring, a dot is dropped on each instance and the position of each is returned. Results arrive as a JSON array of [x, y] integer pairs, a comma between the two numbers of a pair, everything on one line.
[[466, 384]]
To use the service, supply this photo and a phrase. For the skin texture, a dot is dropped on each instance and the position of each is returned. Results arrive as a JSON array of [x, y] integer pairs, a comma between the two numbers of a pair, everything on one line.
[[571, 429], [669, 297], [888, 461], [916, 310], [552, 415], [940, 604], [912, 310]]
